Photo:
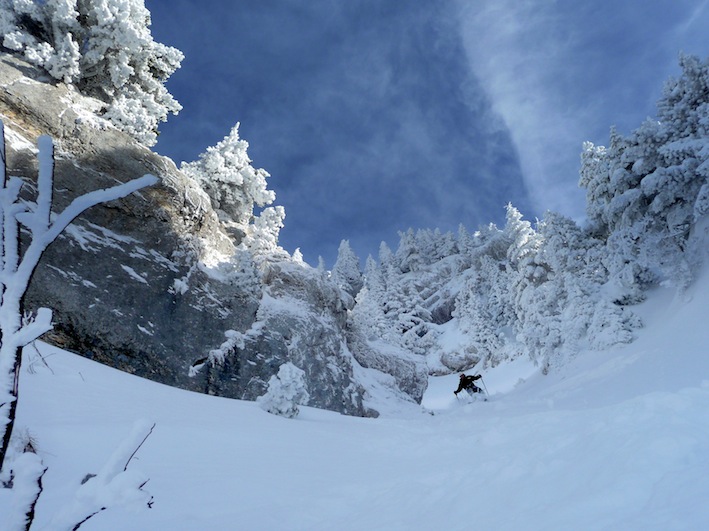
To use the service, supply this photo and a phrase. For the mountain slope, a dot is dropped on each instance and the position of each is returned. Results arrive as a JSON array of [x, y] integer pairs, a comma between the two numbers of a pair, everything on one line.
[[613, 440]]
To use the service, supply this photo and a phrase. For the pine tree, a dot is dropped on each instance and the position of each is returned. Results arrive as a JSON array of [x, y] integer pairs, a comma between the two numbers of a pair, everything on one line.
[[346, 273], [105, 49], [643, 190], [408, 256], [234, 186], [262, 235], [483, 308], [387, 263], [368, 316]]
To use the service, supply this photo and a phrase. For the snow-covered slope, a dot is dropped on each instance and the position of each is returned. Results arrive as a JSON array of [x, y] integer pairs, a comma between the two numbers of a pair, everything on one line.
[[613, 440]]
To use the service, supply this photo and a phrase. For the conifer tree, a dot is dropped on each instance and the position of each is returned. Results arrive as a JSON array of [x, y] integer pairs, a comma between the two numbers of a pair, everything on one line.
[[286, 390], [235, 188], [233, 185], [368, 314], [105, 49], [346, 273], [643, 190]]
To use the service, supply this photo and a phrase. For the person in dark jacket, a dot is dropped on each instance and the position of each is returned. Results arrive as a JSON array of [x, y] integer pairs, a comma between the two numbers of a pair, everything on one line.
[[466, 383]]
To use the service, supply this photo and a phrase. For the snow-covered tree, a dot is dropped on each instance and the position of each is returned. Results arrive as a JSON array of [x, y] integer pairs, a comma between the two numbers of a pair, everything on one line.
[[408, 255], [346, 273], [405, 306], [105, 49], [445, 244], [483, 308], [642, 190], [387, 262], [367, 316], [286, 390], [234, 186], [17, 265], [261, 237]]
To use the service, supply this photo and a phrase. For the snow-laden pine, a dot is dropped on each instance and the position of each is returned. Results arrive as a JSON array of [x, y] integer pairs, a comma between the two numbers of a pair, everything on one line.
[[286, 390], [105, 49], [235, 188], [346, 272]]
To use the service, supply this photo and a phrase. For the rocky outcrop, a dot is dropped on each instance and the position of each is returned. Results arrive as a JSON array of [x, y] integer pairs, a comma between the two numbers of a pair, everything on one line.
[[409, 373], [149, 284], [110, 277], [301, 319]]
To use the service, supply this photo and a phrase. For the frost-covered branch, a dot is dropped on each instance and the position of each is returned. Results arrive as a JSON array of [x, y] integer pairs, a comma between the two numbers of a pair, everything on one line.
[[113, 486], [18, 266], [26, 490]]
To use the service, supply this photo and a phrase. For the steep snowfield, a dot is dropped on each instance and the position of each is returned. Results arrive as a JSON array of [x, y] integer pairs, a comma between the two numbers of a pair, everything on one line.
[[614, 440]]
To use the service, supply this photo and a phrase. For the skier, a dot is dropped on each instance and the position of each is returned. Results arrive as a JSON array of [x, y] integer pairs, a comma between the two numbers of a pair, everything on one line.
[[466, 383]]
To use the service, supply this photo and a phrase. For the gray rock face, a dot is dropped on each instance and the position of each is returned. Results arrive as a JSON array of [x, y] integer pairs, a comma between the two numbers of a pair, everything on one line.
[[409, 372], [109, 278], [301, 320], [145, 284]]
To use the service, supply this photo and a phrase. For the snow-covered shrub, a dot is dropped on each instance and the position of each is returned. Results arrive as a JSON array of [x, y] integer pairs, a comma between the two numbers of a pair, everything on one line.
[[104, 48], [286, 390]]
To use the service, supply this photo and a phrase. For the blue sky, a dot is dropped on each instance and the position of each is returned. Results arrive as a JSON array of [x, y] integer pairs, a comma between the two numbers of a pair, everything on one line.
[[373, 116]]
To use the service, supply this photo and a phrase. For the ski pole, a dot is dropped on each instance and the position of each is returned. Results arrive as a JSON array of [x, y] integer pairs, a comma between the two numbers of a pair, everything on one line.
[[485, 386]]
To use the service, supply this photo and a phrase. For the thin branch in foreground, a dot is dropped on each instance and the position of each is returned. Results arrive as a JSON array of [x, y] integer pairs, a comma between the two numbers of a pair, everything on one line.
[[31, 509], [150, 431], [77, 526]]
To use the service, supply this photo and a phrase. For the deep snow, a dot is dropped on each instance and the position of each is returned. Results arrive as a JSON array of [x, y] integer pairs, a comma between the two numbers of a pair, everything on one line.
[[613, 440]]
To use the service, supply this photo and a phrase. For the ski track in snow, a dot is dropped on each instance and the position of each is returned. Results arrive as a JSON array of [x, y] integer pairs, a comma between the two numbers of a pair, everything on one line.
[[614, 440]]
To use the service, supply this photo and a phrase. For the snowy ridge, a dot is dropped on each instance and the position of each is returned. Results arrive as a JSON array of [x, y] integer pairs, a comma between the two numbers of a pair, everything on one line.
[[616, 439]]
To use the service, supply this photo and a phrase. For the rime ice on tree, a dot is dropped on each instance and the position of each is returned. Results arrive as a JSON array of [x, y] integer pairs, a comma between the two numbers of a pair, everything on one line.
[[285, 391], [234, 188], [105, 49]]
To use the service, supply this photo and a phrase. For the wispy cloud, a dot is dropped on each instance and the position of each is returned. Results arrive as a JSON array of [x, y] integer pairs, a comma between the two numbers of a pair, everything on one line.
[[559, 75], [519, 51], [372, 135]]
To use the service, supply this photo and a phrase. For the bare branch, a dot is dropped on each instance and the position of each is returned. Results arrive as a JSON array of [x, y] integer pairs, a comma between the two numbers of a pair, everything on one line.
[[150, 431]]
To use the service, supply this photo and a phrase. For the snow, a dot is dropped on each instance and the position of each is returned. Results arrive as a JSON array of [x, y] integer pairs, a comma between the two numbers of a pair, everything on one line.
[[88, 235], [133, 274], [617, 439]]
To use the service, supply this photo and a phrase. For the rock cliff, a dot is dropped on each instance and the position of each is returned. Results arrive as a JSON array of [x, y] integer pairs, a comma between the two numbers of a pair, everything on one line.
[[150, 284]]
